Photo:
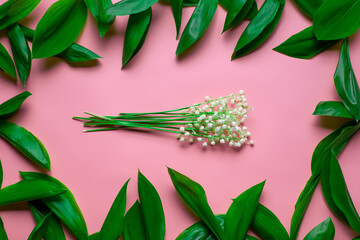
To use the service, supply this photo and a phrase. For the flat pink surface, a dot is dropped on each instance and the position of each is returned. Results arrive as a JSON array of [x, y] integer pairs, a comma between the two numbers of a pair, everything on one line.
[[283, 91]]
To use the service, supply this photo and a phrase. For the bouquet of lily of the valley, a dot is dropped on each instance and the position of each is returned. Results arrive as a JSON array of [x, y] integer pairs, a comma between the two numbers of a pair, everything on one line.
[[219, 120]]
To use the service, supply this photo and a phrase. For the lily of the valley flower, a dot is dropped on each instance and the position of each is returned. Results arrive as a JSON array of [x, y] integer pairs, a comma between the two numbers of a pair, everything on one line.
[[215, 121]]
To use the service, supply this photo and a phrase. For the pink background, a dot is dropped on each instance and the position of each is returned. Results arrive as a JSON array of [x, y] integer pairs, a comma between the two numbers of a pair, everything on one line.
[[284, 92]]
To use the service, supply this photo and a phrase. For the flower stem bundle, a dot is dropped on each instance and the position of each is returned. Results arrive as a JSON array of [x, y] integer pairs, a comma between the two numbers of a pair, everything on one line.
[[219, 120]]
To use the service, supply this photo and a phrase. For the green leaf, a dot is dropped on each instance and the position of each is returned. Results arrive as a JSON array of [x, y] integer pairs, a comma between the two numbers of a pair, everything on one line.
[[194, 197], [73, 54], [241, 212], [326, 188], [332, 108], [309, 7], [346, 84], [198, 23], [72, 217], [1, 175], [260, 28], [304, 45], [17, 10], [151, 209], [25, 142], [267, 225], [8, 108], [136, 31], [337, 140], [176, 7], [337, 19], [104, 21], [6, 63], [28, 190], [113, 224], [253, 11], [77, 53], [40, 211], [40, 229], [4, 8], [324, 231], [238, 10], [21, 52], [134, 224], [94, 236], [129, 7], [199, 231], [3, 234], [302, 205], [187, 3], [59, 27], [340, 193]]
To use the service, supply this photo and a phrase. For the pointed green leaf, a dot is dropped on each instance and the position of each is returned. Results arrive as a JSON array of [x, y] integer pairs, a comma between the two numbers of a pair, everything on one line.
[[260, 28], [73, 54], [151, 209], [346, 84], [253, 11], [304, 45], [3, 234], [40, 211], [136, 31], [77, 53], [59, 27], [337, 19], [40, 229], [21, 52], [129, 7], [187, 3], [9, 107], [25, 142], [238, 10], [94, 236], [104, 21], [17, 10], [199, 231], [194, 197], [326, 188], [241, 212], [340, 193], [1, 175], [267, 225], [113, 224], [337, 140], [6, 63], [198, 23], [134, 224], [176, 7], [302, 205], [309, 7], [4, 8], [72, 217], [28, 190], [332, 108], [324, 231]]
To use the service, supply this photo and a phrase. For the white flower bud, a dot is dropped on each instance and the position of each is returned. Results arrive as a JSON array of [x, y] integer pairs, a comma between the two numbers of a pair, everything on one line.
[[182, 129], [204, 144], [222, 141], [212, 143]]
